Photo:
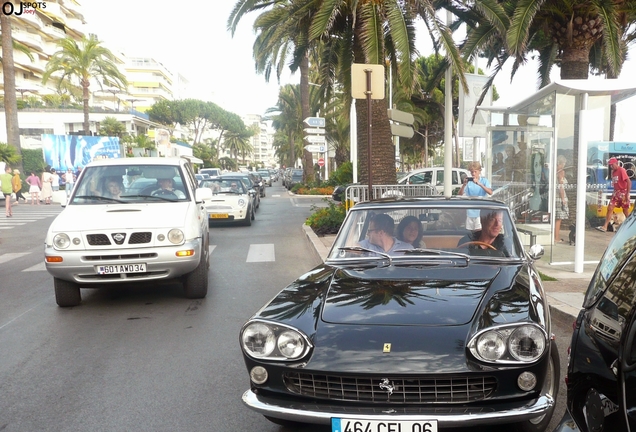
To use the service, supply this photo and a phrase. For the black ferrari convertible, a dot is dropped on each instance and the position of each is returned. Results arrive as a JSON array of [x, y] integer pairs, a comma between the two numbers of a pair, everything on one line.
[[413, 323]]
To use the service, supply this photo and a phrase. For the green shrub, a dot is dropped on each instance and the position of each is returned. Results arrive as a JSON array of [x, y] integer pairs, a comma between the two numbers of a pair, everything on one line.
[[326, 220], [343, 175]]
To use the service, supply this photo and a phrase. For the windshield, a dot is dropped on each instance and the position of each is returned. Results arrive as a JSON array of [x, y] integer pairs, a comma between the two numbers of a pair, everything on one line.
[[415, 231], [224, 186], [129, 184]]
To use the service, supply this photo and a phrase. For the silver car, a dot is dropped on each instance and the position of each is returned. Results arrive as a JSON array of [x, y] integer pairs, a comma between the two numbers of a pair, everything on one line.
[[130, 220]]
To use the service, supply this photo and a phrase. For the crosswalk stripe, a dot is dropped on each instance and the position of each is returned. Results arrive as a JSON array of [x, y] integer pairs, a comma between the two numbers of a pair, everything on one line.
[[261, 253], [11, 256], [11, 226]]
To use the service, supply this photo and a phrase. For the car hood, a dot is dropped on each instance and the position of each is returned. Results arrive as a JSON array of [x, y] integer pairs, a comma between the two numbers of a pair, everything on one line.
[[403, 297], [117, 216]]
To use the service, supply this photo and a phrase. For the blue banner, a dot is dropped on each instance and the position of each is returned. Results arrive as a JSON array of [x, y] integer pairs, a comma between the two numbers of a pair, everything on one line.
[[73, 151]]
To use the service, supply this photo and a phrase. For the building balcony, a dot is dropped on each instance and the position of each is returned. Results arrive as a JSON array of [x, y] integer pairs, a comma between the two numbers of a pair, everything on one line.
[[32, 40], [32, 20], [74, 8], [54, 11]]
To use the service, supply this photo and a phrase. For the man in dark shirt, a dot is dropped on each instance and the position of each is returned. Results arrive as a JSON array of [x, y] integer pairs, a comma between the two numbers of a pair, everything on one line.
[[489, 237]]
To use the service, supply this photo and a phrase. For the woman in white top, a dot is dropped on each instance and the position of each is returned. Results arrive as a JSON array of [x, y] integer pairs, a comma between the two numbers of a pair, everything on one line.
[[47, 188]]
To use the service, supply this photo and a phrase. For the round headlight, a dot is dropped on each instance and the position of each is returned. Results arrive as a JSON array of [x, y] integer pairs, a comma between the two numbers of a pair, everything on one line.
[[258, 340], [61, 241], [526, 343], [527, 381], [258, 374], [176, 236], [291, 344], [241, 202], [491, 346]]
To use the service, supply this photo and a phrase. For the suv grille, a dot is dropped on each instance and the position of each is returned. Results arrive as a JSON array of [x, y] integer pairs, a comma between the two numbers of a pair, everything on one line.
[[442, 389], [102, 239]]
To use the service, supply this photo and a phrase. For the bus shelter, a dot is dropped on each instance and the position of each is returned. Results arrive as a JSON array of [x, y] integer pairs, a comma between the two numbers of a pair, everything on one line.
[[578, 124]]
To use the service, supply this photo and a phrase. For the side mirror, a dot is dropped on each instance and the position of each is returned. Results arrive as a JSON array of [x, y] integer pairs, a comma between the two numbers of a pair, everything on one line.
[[202, 194], [536, 252]]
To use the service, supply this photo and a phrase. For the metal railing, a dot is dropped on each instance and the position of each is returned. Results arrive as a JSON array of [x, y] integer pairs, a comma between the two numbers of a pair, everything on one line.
[[360, 193]]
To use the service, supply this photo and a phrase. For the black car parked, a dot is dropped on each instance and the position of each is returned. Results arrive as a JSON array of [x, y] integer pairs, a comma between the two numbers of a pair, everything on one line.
[[413, 321], [601, 377]]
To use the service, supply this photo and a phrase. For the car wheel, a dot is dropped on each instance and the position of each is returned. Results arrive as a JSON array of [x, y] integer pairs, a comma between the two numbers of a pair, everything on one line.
[[286, 423], [248, 219], [67, 293], [550, 387], [195, 283], [252, 213]]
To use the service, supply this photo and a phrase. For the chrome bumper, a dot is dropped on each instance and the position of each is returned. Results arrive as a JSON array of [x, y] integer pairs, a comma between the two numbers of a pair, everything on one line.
[[322, 413]]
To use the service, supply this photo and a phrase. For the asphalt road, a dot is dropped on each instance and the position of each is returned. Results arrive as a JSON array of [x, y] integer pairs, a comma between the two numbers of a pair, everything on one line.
[[144, 357]]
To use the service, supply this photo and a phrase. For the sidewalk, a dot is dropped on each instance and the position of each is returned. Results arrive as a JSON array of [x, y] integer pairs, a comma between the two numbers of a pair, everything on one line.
[[565, 295]]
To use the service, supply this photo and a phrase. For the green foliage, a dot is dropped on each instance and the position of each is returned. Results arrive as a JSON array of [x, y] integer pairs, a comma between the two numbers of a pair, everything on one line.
[[343, 175], [32, 161], [326, 220], [111, 127], [206, 154], [9, 154]]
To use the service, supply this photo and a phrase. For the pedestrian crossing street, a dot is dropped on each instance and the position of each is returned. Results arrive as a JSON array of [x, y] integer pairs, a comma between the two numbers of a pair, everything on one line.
[[26, 213], [256, 253]]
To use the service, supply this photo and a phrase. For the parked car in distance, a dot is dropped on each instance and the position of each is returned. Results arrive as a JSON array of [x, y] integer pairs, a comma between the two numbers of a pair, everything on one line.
[[266, 176], [211, 172], [130, 220], [448, 328], [258, 180], [601, 373], [230, 201], [295, 177], [435, 176]]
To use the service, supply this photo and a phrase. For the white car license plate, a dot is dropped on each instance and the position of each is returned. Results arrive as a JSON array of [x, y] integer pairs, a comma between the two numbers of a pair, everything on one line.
[[121, 268], [357, 425]]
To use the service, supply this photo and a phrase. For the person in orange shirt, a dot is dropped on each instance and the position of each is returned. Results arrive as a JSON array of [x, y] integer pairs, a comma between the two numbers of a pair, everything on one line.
[[16, 182], [620, 198]]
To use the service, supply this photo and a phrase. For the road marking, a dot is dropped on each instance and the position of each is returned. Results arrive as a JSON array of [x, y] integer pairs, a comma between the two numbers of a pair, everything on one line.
[[212, 247], [11, 256], [38, 267], [261, 253]]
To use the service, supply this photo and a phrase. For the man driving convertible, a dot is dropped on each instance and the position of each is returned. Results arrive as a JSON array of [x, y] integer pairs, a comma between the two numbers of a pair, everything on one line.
[[490, 236]]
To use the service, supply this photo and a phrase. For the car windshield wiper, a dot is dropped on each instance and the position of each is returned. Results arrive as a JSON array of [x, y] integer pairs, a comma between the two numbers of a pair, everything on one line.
[[362, 249], [153, 197], [433, 251], [98, 198]]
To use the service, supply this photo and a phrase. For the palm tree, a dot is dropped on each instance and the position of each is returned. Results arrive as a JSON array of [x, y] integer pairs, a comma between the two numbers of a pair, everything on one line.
[[84, 62], [288, 118], [10, 98]]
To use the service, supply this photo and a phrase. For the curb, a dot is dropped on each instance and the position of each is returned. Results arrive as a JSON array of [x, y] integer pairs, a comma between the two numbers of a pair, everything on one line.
[[319, 248]]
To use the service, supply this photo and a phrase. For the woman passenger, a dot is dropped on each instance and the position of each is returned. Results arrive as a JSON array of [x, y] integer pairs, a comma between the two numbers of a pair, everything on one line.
[[410, 231]]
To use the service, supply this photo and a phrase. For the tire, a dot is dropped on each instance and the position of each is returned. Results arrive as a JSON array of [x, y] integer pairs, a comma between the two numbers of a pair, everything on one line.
[[195, 283], [67, 294], [551, 386], [253, 215], [248, 219]]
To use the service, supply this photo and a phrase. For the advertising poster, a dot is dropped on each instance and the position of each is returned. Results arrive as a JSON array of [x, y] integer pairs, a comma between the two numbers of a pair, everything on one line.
[[73, 151]]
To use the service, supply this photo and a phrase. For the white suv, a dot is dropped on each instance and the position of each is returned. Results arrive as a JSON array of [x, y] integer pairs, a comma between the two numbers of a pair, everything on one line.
[[130, 220], [434, 176]]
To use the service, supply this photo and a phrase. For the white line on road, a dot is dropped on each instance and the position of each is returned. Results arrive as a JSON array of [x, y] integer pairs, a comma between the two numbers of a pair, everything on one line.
[[11, 256], [261, 253], [37, 267]]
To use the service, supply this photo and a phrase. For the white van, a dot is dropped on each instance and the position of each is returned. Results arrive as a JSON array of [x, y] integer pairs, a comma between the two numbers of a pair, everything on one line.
[[434, 176]]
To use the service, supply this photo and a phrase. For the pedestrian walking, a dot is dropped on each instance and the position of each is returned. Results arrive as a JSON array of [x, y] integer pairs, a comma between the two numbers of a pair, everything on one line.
[[561, 209], [69, 180], [7, 189], [16, 182], [35, 186], [620, 198], [47, 188], [55, 184]]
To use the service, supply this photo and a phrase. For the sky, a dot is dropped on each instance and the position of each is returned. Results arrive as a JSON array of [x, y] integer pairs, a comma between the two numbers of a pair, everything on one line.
[[191, 38]]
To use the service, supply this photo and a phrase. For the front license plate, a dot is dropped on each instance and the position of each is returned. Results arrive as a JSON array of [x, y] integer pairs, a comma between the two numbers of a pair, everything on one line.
[[219, 216], [356, 425], [121, 268]]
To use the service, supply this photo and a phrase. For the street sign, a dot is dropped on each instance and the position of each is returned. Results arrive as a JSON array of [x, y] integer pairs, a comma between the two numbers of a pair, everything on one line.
[[401, 116], [314, 131], [315, 139], [401, 130], [321, 162], [315, 121], [315, 148]]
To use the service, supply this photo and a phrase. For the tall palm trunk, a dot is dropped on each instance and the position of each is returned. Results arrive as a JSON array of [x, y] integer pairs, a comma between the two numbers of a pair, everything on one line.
[[308, 160], [10, 98], [85, 96]]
